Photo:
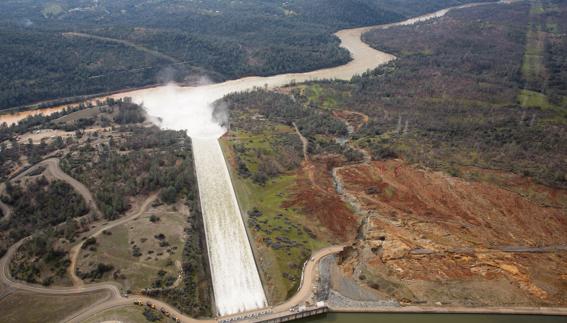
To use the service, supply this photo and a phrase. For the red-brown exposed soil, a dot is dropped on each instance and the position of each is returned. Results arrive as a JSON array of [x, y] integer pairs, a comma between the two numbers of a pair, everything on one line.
[[352, 118], [524, 186], [315, 195], [435, 238], [477, 214]]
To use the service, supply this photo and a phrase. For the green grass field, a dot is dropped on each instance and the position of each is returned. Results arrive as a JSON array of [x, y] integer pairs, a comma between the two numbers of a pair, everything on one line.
[[125, 314], [532, 99], [282, 264], [533, 65], [117, 249], [52, 10], [533, 68], [323, 96], [24, 307]]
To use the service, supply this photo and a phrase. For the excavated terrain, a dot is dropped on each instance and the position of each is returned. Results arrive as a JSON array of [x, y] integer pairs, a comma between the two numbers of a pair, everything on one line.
[[428, 238], [315, 194]]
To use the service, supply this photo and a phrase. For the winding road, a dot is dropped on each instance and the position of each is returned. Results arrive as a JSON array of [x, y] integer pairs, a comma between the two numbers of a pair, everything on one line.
[[76, 250], [51, 166], [364, 58], [126, 43], [56, 171], [115, 299]]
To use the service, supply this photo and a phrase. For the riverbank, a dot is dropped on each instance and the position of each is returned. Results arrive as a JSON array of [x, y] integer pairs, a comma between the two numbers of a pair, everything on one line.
[[174, 115]]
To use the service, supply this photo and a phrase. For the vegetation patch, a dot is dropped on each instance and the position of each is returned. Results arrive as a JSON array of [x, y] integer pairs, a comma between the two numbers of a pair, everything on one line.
[[462, 104], [38, 208], [265, 165], [46, 308], [132, 255], [282, 239], [123, 45], [126, 314], [122, 160], [138, 161]]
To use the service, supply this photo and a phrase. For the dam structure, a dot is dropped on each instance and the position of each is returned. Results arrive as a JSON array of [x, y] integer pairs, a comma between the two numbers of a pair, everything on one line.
[[236, 283]]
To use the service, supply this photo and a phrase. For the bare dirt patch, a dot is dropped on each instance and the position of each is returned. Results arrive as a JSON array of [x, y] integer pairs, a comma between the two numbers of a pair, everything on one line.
[[353, 119], [434, 238], [315, 194]]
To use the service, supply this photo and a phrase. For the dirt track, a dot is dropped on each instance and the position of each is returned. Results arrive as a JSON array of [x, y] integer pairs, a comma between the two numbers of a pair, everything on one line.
[[115, 299], [364, 58], [125, 43]]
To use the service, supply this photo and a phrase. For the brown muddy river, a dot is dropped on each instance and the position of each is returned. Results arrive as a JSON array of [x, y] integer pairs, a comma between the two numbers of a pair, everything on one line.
[[364, 58]]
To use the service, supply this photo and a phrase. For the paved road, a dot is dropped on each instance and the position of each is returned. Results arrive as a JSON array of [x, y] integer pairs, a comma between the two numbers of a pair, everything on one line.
[[76, 250], [310, 274], [117, 302], [115, 298], [364, 58], [304, 293], [52, 167]]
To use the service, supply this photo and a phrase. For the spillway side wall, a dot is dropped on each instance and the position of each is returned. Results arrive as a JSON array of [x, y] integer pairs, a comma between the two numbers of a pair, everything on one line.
[[197, 216]]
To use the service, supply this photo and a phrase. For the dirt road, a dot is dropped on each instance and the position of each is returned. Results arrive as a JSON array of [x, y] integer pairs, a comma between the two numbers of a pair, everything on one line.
[[125, 43], [364, 58], [114, 300], [304, 142], [52, 167]]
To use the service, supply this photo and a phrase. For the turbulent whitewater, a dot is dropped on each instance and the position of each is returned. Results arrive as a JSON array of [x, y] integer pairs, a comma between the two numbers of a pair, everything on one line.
[[236, 283]]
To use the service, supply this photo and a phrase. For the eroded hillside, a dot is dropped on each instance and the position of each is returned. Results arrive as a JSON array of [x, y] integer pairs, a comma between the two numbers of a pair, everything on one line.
[[429, 237]]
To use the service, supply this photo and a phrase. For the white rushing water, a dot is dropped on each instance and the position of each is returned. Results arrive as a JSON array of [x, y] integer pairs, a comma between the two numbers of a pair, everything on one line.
[[236, 283]]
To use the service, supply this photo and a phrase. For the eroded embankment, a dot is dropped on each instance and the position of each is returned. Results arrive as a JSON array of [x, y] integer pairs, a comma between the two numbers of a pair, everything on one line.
[[232, 268], [431, 238]]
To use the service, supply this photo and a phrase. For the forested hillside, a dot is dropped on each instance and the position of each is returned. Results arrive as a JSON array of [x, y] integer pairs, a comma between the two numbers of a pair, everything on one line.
[[454, 98], [51, 49], [470, 89]]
